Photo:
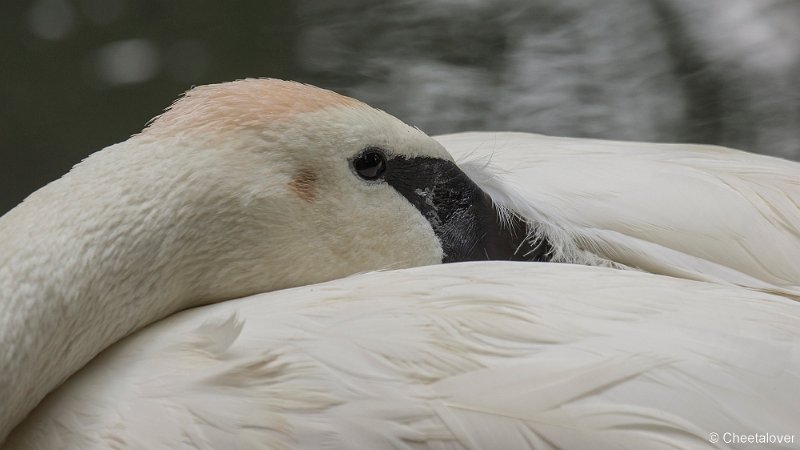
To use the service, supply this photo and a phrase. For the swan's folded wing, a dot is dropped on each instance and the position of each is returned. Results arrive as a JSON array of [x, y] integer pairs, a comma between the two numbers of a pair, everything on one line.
[[693, 211], [476, 355]]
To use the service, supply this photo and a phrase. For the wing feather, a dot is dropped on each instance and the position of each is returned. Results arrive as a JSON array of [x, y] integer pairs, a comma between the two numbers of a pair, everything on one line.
[[700, 212]]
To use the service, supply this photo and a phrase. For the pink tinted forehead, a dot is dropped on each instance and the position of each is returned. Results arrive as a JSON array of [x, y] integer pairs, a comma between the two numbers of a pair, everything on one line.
[[241, 104]]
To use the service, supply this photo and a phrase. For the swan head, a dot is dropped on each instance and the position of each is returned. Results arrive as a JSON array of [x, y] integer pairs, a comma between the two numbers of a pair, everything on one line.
[[269, 184]]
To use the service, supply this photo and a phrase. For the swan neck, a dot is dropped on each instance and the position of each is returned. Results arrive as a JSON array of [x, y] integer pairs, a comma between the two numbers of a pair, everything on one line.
[[85, 261], [57, 314]]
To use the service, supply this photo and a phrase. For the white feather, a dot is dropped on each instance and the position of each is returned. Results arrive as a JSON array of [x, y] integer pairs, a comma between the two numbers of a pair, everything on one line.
[[474, 355], [692, 211]]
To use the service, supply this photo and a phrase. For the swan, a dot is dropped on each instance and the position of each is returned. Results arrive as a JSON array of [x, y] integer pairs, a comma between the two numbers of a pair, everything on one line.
[[258, 186], [239, 188], [692, 211], [475, 355]]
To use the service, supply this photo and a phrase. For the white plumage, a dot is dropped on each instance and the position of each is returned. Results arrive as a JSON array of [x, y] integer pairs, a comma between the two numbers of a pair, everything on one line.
[[471, 355], [691, 211], [480, 355]]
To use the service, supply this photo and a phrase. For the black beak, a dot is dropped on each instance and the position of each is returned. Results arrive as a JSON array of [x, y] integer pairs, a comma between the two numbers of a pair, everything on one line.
[[463, 217]]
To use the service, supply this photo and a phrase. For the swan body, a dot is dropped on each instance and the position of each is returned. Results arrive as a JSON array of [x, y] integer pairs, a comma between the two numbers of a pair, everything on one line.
[[692, 211], [473, 355], [259, 186]]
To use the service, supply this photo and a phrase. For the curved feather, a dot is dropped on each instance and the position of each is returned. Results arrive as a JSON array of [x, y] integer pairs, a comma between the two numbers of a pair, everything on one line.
[[693, 211], [475, 355]]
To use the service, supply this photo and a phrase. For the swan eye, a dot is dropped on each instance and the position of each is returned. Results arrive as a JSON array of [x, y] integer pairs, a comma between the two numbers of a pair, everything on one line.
[[370, 164]]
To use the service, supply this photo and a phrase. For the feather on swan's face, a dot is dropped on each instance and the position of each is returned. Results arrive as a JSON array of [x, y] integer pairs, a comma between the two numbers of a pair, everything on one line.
[[292, 184]]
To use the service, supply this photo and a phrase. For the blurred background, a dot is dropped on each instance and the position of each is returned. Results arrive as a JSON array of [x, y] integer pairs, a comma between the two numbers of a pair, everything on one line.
[[78, 75]]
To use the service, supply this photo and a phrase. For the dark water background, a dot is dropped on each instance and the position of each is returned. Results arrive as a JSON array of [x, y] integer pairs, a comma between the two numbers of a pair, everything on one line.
[[78, 75]]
